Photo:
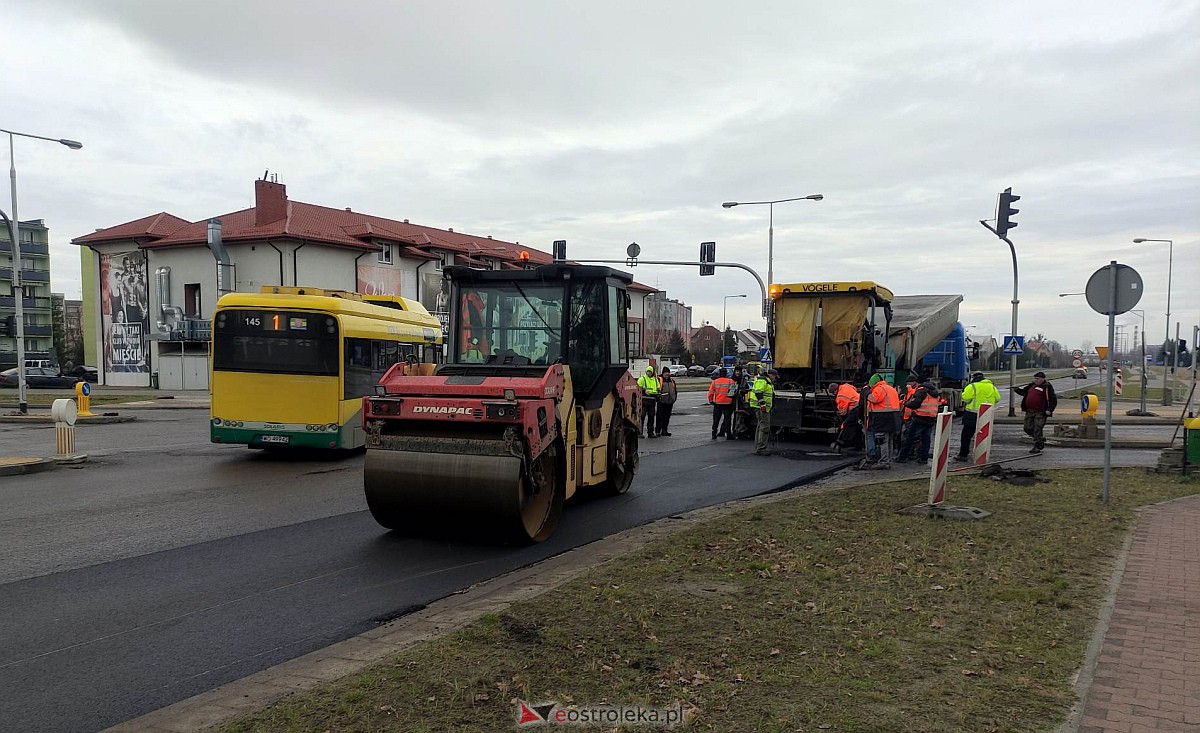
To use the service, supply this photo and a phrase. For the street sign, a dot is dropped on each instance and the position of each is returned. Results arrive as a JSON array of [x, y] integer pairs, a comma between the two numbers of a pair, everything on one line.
[[764, 354], [1076, 363], [1077, 354], [1102, 352], [1101, 295], [1014, 345]]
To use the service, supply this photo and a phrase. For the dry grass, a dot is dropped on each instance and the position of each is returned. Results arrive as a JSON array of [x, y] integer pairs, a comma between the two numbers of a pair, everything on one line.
[[824, 612]]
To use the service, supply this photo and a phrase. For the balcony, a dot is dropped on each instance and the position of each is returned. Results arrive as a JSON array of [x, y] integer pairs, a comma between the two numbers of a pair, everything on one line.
[[27, 275], [29, 248], [8, 301], [189, 329]]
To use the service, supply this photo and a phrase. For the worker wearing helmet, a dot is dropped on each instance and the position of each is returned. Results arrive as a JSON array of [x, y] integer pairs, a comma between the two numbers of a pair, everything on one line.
[[760, 401], [649, 387], [980, 391]]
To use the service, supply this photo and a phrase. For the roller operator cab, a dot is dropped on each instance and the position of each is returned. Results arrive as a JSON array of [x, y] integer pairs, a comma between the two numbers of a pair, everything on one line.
[[533, 403]]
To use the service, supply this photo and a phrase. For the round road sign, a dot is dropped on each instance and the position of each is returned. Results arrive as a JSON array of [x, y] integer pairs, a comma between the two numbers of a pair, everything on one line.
[[1101, 295], [1077, 354], [1076, 363]]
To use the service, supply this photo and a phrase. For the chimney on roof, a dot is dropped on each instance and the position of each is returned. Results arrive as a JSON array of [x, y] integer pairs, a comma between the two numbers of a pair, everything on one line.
[[450, 229], [270, 202]]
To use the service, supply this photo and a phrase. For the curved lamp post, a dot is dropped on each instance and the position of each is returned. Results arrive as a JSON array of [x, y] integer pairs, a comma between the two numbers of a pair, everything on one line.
[[14, 234], [1166, 396], [771, 225]]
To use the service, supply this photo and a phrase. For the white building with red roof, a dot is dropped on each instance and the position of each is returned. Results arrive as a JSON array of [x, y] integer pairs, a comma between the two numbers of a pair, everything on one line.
[[150, 285]]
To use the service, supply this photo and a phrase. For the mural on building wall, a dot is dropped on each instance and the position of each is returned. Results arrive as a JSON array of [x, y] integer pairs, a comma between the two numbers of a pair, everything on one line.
[[125, 312], [376, 280]]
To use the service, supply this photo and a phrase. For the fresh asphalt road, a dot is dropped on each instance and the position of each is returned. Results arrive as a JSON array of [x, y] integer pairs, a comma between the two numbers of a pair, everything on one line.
[[168, 566]]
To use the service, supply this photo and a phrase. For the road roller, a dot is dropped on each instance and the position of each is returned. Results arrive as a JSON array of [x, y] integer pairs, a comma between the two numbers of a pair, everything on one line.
[[533, 403]]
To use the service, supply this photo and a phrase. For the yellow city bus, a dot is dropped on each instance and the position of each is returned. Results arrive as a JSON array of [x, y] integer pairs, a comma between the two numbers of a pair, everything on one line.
[[290, 365]]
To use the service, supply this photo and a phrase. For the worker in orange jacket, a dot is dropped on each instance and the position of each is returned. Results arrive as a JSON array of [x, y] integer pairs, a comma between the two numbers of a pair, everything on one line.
[[846, 399], [910, 388], [721, 393], [883, 421]]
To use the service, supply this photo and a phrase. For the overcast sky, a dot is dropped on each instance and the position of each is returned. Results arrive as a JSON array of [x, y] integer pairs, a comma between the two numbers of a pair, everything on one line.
[[607, 123]]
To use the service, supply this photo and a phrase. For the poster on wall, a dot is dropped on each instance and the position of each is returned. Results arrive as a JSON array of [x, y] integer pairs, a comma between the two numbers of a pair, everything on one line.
[[435, 296], [125, 317], [376, 280]]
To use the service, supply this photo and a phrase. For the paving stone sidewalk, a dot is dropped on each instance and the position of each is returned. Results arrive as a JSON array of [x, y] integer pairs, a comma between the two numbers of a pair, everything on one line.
[[1147, 675]]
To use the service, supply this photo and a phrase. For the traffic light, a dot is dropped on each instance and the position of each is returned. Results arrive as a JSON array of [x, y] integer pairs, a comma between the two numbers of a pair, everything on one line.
[[8, 326], [1005, 212], [708, 253]]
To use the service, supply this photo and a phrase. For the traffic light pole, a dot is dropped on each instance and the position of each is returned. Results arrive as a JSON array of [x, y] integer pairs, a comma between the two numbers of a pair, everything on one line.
[[1012, 363], [634, 262]]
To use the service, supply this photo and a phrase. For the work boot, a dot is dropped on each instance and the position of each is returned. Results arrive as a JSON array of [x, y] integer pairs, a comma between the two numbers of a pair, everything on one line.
[[1035, 449]]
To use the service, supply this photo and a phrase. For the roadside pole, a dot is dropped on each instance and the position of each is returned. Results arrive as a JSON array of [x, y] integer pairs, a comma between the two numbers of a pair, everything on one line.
[[1111, 290]]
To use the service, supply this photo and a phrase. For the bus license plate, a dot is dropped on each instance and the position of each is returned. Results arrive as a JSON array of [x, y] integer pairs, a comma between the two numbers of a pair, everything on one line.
[[274, 438]]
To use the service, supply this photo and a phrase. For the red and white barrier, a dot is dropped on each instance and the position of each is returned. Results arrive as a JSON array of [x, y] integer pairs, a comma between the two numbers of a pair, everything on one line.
[[983, 433], [1117, 382], [941, 457]]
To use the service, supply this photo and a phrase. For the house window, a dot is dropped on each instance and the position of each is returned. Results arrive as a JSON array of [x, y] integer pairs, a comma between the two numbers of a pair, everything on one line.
[[191, 300], [385, 254], [635, 339], [445, 259]]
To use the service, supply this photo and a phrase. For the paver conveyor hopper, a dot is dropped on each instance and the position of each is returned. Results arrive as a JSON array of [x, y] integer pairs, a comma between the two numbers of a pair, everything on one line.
[[534, 402]]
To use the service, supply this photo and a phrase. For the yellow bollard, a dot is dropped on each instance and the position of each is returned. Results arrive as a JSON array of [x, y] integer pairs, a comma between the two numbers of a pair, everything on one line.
[[83, 394]]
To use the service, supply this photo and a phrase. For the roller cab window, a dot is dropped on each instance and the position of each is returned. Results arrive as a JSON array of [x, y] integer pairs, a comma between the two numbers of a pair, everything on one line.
[[510, 323]]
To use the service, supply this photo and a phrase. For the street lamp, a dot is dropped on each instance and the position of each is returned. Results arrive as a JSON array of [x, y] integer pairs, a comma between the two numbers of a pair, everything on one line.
[[725, 319], [14, 234], [771, 225], [1166, 396], [1142, 367]]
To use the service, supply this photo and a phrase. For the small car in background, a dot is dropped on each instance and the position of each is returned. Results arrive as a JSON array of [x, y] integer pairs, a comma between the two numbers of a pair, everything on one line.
[[39, 377], [695, 370], [1081, 373], [88, 373]]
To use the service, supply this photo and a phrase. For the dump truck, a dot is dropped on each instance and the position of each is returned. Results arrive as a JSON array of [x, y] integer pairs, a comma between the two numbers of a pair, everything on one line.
[[827, 332], [534, 403]]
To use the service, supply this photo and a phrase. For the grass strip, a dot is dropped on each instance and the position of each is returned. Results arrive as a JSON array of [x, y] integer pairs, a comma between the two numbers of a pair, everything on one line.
[[827, 611]]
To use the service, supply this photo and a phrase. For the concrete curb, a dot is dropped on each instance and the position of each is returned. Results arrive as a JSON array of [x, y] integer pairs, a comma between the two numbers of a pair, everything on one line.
[[44, 419], [19, 466]]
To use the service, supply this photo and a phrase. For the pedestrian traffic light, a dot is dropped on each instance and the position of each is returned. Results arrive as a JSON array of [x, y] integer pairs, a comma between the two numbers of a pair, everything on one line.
[[708, 253], [1005, 212]]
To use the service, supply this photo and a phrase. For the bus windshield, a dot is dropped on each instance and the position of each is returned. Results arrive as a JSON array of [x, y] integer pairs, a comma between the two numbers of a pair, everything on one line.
[[509, 321], [276, 342]]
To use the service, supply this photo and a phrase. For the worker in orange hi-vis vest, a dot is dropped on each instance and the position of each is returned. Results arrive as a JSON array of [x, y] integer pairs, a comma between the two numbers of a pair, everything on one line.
[[846, 399], [721, 393], [883, 421]]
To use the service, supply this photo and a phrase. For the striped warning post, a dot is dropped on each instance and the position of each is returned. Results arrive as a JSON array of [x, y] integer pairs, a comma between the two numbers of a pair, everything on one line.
[[941, 457], [983, 433], [1117, 382], [64, 440]]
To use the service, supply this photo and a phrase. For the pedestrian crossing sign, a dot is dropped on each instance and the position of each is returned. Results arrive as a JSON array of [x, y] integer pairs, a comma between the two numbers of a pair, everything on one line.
[[764, 354], [1014, 345]]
